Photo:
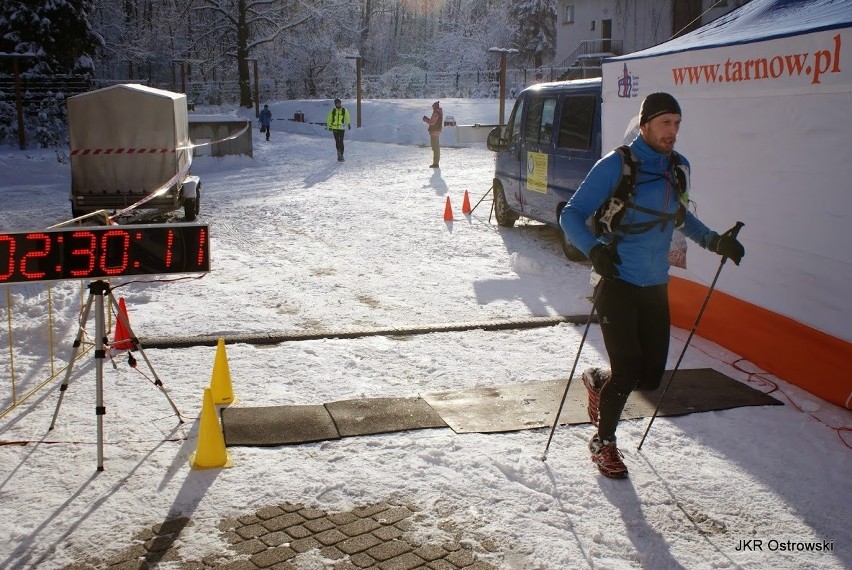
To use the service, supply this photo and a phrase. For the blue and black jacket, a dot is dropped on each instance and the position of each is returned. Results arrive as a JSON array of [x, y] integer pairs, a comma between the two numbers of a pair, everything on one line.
[[644, 255]]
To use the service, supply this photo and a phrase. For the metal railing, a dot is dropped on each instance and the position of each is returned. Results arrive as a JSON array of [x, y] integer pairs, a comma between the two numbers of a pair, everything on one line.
[[586, 48]]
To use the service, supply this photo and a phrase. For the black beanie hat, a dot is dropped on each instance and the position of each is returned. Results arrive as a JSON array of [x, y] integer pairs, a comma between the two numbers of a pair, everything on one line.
[[657, 104]]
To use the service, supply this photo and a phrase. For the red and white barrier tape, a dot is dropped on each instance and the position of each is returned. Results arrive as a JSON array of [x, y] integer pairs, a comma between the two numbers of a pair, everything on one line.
[[97, 151], [121, 150], [164, 187]]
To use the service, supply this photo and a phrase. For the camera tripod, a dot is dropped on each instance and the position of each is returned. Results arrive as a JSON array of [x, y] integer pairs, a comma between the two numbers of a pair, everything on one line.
[[98, 291]]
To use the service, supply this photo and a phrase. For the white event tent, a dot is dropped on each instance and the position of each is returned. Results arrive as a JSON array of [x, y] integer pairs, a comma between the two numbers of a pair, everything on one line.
[[766, 94]]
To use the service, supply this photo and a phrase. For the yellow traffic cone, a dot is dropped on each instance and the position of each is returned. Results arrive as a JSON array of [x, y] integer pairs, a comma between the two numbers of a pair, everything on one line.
[[210, 452], [220, 382]]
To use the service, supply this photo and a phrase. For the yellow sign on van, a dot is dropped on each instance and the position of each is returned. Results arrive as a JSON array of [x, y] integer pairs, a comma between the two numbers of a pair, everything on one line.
[[537, 172]]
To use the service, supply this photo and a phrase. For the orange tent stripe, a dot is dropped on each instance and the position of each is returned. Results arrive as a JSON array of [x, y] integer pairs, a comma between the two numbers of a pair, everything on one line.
[[809, 358]]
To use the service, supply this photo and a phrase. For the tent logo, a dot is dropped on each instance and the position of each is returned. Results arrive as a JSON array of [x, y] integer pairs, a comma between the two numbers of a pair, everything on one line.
[[628, 85]]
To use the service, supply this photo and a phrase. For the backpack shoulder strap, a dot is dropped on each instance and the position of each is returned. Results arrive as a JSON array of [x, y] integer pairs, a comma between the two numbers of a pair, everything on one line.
[[629, 168], [608, 217]]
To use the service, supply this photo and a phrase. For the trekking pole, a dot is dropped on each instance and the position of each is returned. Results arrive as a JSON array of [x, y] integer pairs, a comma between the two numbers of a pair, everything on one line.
[[733, 233], [571, 375]]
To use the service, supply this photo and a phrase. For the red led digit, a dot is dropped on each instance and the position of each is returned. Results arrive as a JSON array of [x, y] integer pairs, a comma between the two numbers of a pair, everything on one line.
[[85, 252], [10, 260], [110, 255], [42, 252], [170, 240], [202, 239]]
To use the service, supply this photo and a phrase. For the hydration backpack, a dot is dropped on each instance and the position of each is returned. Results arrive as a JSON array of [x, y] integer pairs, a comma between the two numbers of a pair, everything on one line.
[[608, 218]]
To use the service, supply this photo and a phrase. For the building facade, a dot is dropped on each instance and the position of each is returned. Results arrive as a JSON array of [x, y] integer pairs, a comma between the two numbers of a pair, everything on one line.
[[587, 29]]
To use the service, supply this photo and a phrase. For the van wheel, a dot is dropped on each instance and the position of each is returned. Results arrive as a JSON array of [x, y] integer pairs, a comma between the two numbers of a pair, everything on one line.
[[571, 251], [505, 217]]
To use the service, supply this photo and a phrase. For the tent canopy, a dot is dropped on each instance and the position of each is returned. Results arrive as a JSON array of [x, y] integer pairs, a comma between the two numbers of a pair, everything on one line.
[[756, 21]]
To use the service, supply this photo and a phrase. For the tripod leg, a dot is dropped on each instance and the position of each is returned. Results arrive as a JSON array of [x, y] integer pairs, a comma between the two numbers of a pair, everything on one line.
[[481, 199], [76, 348], [157, 382]]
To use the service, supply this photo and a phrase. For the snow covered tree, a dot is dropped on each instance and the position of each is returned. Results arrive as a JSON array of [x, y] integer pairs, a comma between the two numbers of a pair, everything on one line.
[[535, 29], [238, 28], [56, 31], [58, 35]]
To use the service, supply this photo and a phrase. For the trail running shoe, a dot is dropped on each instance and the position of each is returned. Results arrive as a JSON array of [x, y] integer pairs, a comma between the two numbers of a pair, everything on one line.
[[594, 379], [607, 457]]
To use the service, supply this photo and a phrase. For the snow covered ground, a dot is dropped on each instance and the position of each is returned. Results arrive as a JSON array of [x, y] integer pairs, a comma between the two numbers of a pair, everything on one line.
[[301, 242]]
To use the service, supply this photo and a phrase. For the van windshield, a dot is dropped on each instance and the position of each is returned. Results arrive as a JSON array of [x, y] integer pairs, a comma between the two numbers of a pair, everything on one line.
[[513, 131]]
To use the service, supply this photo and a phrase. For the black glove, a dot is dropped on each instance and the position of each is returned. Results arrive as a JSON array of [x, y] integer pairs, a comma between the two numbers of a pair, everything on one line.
[[350, 127], [727, 245], [604, 258]]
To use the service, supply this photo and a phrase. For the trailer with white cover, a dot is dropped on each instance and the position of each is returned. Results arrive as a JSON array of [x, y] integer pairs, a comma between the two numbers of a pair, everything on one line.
[[130, 151]]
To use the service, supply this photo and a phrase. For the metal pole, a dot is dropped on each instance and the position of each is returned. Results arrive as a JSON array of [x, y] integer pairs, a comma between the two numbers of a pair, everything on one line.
[[573, 369], [502, 86], [734, 232], [256, 92], [19, 106], [100, 354], [358, 90]]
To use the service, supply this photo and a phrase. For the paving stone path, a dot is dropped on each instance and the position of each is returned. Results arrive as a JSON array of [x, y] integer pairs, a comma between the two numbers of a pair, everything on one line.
[[375, 536]]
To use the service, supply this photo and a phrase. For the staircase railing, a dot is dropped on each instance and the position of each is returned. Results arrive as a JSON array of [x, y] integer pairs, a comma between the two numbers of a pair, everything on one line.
[[589, 47]]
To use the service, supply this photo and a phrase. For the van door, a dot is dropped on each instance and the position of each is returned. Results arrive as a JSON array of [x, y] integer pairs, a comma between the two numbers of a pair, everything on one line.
[[536, 162], [507, 168], [577, 145]]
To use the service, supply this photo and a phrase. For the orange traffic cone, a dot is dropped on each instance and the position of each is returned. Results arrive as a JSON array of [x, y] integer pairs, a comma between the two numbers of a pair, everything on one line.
[[121, 338], [448, 211], [210, 451], [220, 380], [466, 203]]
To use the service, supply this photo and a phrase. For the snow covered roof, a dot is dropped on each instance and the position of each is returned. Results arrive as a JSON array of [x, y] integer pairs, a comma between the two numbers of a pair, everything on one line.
[[758, 20], [134, 87]]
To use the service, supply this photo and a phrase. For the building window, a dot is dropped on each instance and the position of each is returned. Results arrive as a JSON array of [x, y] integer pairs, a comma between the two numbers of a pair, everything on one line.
[[568, 14], [592, 28]]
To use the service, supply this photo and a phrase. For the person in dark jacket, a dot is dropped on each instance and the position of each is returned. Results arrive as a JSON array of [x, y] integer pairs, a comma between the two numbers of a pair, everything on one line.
[[631, 267], [337, 119], [265, 118], [436, 123]]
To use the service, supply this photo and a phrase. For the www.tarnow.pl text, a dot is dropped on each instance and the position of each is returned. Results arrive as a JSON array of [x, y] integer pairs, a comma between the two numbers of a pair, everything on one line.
[[810, 65]]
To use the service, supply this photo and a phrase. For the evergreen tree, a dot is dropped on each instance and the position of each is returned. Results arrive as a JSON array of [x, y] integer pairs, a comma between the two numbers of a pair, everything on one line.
[[535, 25], [56, 31]]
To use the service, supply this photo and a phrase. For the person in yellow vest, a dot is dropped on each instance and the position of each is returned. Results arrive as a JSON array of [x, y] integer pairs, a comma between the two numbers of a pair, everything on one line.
[[337, 119]]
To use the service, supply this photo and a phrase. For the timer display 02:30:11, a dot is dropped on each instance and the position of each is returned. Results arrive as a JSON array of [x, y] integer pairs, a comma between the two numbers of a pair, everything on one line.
[[95, 253]]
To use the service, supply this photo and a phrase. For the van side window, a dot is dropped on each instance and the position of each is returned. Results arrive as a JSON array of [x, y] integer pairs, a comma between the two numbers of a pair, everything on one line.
[[513, 129], [575, 125], [540, 120]]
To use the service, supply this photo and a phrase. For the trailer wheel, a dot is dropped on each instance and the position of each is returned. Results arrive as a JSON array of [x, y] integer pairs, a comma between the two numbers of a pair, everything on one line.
[[192, 206]]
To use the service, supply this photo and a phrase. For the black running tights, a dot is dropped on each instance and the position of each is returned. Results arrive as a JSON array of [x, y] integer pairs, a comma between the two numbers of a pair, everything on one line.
[[635, 325], [338, 139]]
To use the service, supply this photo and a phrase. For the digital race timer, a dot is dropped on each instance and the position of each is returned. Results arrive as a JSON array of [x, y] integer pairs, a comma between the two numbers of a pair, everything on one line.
[[104, 252]]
